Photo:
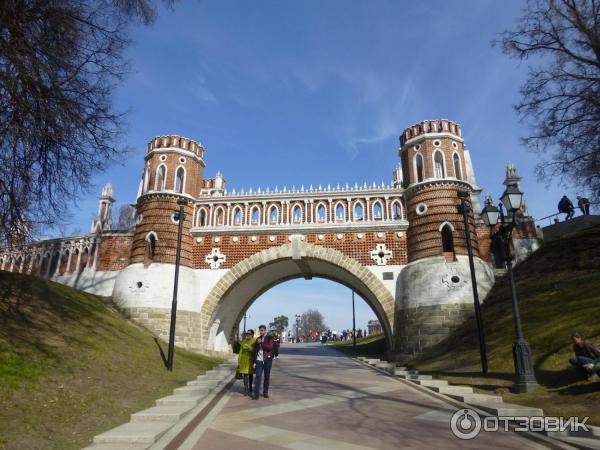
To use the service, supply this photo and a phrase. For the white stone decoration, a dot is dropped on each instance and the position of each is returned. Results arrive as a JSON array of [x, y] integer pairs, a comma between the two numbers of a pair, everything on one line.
[[198, 239], [380, 235], [217, 239], [235, 239], [340, 236], [360, 235], [381, 255], [453, 278], [253, 238], [271, 238], [321, 237], [399, 234], [215, 258], [421, 209]]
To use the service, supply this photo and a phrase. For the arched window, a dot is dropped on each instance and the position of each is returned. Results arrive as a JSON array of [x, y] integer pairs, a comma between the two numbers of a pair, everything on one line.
[[161, 177], [419, 168], [19, 264], [321, 214], [146, 178], [447, 239], [273, 213], [438, 165], [297, 214], [237, 216], [73, 266], [151, 239], [340, 213], [358, 211], [457, 169], [219, 217], [180, 180], [396, 210], [255, 216], [202, 218], [377, 210]]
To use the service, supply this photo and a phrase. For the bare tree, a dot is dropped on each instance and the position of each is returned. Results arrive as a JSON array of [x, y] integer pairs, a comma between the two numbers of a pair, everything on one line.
[[126, 219], [59, 63], [561, 97], [312, 320]]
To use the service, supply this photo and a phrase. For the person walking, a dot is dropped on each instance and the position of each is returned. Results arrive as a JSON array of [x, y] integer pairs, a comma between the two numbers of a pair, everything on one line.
[[246, 361], [263, 360], [584, 205], [565, 206]]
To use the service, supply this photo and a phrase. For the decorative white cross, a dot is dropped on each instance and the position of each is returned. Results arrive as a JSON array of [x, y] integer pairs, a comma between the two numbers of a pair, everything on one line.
[[215, 258], [381, 255]]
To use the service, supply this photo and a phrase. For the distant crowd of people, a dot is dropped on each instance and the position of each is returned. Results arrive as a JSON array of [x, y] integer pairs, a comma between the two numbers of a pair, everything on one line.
[[565, 206]]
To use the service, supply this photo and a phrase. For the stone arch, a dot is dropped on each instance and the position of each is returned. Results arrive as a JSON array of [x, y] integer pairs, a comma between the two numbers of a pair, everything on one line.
[[224, 306]]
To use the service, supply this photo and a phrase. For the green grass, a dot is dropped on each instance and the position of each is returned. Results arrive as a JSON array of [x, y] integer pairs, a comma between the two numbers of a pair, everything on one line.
[[559, 292], [373, 345], [72, 367]]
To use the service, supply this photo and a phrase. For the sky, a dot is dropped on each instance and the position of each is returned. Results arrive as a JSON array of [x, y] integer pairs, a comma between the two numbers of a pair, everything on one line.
[[285, 93]]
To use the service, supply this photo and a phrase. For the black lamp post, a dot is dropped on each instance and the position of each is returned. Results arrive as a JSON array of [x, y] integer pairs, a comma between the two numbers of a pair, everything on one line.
[[353, 324], [179, 216], [511, 198], [465, 208]]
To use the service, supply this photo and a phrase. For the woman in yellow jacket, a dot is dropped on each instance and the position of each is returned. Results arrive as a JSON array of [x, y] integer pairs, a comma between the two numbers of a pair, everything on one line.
[[246, 360]]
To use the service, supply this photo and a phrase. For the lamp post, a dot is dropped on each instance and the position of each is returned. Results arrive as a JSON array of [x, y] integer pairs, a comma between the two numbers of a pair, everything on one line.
[[525, 380], [464, 208], [245, 317], [298, 328], [179, 216], [353, 323]]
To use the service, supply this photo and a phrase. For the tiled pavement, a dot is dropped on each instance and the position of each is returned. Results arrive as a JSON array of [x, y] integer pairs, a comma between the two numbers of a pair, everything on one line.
[[322, 400]]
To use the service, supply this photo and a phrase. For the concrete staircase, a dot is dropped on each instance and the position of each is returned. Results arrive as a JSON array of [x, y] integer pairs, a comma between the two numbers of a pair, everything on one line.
[[147, 426], [491, 404]]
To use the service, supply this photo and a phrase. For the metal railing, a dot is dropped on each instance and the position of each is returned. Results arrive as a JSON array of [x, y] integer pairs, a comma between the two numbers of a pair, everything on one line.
[[557, 214]]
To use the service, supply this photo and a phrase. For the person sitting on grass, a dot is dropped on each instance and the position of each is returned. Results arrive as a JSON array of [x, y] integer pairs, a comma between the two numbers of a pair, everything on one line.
[[586, 356]]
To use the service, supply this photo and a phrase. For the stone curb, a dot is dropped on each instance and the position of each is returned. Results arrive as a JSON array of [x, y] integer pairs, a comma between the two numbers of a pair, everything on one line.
[[157, 427], [487, 409]]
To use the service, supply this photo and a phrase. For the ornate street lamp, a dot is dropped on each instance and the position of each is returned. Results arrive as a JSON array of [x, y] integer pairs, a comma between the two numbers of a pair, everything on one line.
[[512, 198], [464, 209], [179, 216]]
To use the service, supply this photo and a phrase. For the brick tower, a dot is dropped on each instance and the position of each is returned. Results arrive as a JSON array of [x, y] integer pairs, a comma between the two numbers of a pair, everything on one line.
[[173, 170], [435, 285]]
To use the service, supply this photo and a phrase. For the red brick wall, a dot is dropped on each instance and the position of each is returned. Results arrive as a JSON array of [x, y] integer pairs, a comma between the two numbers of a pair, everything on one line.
[[350, 244], [114, 253]]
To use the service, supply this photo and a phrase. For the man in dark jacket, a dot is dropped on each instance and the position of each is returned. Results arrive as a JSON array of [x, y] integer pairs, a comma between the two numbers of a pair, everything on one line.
[[566, 206], [263, 359], [585, 355]]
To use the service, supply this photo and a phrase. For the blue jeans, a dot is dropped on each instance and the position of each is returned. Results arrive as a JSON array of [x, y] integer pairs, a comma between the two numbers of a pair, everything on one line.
[[262, 367], [579, 361]]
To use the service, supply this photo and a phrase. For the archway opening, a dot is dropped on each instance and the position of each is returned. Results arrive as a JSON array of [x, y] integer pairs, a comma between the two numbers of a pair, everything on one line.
[[231, 297], [300, 302]]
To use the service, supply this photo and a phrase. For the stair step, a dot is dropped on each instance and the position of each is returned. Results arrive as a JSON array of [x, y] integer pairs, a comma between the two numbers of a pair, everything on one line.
[[448, 390], [429, 383], [415, 377], [194, 390], [202, 383], [509, 409], [398, 372], [161, 414], [475, 399], [134, 433], [180, 400]]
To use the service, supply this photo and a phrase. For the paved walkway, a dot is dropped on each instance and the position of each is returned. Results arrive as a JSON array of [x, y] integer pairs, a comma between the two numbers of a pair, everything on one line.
[[322, 400]]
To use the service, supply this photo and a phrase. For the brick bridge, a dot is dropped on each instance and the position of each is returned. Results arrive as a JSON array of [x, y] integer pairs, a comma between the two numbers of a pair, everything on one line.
[[401, 246]]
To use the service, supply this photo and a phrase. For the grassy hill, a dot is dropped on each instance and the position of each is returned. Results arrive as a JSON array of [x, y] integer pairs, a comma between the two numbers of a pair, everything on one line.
[[71, 366], [559, 292], [373, 345]]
